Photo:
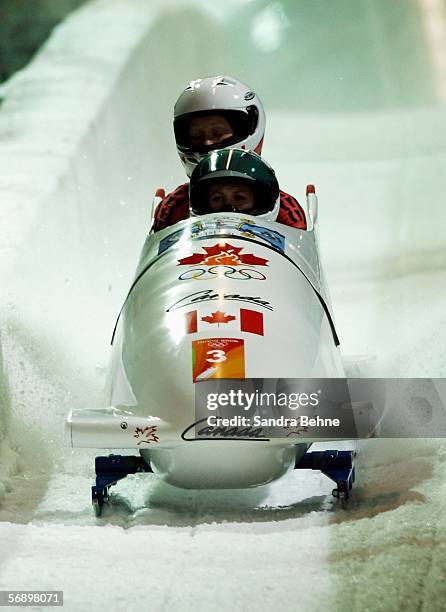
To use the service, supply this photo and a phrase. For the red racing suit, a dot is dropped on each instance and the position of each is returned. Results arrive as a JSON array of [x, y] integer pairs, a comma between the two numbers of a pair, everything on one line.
[[175, 207]]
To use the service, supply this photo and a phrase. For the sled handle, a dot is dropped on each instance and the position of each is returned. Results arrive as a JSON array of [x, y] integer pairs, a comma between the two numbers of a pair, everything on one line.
[[160, 194], [312, 206]]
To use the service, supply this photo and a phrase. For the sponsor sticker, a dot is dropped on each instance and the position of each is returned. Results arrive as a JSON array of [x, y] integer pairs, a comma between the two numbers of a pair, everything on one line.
[[275, 239], [218, 358], [169, 241], [247, 228], [197, 228], [174, 237]]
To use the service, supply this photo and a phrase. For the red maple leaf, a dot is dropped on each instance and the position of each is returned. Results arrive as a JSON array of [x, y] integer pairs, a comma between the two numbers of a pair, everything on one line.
[[223, 254], [218, 317], [149, 432]]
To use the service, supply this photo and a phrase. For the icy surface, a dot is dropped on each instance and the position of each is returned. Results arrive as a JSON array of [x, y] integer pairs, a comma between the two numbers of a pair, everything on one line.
[[85, 139]]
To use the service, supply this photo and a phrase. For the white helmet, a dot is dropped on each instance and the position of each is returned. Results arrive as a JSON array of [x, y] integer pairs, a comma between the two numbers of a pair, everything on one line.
[[225, 96]]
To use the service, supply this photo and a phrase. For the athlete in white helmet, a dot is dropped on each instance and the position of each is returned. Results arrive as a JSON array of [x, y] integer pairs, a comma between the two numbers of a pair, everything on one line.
[[218, 112]]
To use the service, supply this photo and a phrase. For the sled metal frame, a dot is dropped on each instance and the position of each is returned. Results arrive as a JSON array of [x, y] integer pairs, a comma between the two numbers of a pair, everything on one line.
[[108, 471], [337, 465]]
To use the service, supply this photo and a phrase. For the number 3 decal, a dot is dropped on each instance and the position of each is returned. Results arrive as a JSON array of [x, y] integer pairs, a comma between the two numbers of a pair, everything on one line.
[[216, 356]]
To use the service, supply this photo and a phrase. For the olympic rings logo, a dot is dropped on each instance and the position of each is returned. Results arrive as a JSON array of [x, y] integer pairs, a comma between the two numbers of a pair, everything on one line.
[[220, 271]]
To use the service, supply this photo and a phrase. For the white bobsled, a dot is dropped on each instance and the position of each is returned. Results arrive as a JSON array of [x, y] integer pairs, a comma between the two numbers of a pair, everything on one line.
[[223, 296]]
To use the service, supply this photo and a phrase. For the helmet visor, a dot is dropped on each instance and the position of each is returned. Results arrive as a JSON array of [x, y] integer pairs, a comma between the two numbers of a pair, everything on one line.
[[205, 131], [230, 194]]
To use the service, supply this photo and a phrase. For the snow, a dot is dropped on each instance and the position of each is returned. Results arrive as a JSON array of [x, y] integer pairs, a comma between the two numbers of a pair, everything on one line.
[[285, 546], [85, 140]]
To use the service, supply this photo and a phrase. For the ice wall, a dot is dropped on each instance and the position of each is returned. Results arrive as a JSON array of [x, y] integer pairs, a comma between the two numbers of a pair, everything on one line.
[[85, 139], [24, 26]]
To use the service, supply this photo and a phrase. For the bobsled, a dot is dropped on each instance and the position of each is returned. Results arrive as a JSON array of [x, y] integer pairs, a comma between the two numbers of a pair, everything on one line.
[[223, 297]]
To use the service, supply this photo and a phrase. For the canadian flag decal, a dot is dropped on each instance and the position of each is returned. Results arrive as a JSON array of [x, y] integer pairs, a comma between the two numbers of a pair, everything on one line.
[[191, 322], [222, 254], [251, 321], [218, 317], [247, 320]]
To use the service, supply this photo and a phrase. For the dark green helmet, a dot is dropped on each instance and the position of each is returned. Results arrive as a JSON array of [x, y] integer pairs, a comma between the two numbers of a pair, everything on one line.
[[233, 180]]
